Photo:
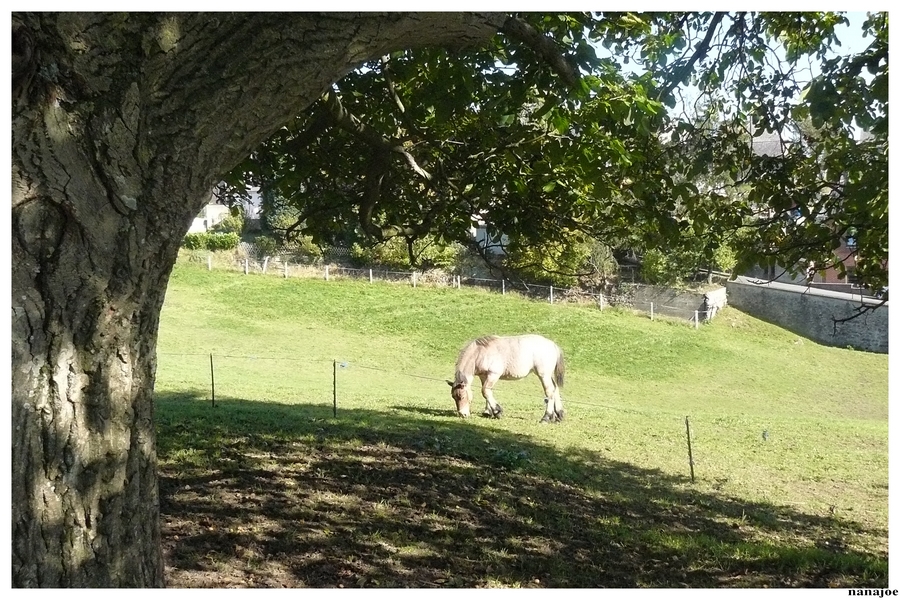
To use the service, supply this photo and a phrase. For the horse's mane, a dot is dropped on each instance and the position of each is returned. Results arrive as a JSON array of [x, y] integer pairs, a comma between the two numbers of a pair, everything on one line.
[[467, 356], [485, 340]]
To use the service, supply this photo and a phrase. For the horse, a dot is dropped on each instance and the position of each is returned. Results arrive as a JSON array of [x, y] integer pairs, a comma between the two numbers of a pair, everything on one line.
[[493, 357]]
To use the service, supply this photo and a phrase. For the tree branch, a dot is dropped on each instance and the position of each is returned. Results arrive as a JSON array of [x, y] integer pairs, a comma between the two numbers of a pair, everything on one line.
[[543, 46], [859, 311], [699, 52], [356, 127]]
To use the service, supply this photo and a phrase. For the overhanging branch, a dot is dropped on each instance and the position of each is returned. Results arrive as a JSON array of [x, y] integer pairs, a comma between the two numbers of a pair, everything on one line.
[[858, 311], [699, 53], [351, 124], [541, 45]]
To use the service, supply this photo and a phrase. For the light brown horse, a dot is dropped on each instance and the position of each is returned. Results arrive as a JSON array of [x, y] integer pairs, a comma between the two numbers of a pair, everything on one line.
[[492, 358]]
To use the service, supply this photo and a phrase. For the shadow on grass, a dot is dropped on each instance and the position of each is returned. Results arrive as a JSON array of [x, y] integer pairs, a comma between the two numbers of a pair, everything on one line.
[[262, 494]]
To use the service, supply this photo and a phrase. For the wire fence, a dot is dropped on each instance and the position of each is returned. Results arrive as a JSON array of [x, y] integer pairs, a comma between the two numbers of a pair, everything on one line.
[[313, 380], [693, 307], [336, 388]]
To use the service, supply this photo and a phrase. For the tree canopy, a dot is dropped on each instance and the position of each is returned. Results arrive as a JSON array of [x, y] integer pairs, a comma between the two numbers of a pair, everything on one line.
[[633, 128]]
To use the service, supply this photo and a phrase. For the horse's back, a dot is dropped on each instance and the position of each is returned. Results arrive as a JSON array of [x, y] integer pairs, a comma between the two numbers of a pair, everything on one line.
[[510, 357], [529, 352]]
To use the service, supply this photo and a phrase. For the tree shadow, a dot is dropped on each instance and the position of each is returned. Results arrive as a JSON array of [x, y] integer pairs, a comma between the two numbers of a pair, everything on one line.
[[263, 494]]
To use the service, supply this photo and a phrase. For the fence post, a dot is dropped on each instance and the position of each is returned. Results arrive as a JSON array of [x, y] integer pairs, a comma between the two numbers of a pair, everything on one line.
[[209, 262], [551, 294], [265, 264], [687, 425], [285, 269], [696, 319], [601, 302], [503, 286], [212, 379], [370, 275], [414, 279], [246, 266], [334, 387], [651, 311], [326, 272]]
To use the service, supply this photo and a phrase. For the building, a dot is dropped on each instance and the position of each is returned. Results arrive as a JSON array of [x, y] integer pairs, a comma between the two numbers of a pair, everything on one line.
[[210, 215]]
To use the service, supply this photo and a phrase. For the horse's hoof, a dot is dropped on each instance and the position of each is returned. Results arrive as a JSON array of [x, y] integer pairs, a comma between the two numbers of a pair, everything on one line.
[[498, 411], [560, 415], [546, 418], [487, 414]]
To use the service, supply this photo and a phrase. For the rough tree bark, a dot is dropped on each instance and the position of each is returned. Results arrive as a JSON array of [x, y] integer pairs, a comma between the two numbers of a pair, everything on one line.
[[121, 125]]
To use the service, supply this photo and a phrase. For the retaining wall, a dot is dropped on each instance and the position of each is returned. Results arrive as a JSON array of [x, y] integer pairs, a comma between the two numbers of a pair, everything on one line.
[[811, 313]]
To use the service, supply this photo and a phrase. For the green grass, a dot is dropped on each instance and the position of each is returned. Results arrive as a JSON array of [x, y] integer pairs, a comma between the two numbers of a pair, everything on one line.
[[807, 506]]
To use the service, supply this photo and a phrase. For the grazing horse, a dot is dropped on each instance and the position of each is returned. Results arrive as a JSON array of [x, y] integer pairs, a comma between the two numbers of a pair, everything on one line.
[[493, 357]]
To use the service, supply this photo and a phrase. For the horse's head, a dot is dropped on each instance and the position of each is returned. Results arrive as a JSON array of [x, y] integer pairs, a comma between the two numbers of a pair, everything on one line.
[[459, 391]]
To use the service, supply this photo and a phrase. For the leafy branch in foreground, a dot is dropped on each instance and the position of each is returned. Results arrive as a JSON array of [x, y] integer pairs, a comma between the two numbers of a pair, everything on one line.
[[541, 135]]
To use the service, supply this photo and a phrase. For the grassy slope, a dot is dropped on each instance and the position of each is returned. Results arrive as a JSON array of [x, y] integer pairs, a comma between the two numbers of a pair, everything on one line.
[[629, 385]]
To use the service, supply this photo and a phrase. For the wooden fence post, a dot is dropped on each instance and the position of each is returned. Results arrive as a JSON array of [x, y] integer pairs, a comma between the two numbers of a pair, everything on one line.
[[503, 286], [326, 272], [696, 319], [284, 274], [687, 425], [209, 262], [265, 265], [246, 266], [212, 379], [370, 275], [651, 311], [551, 294]]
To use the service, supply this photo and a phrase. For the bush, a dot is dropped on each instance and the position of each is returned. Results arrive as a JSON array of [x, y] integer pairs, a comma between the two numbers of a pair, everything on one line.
[[658, 269], [577, 260], [210, 241], [724, 258], [230, 224], [194, 241], [266, 245], [303, 248], [394, 254], [677, 265], [222, 241]]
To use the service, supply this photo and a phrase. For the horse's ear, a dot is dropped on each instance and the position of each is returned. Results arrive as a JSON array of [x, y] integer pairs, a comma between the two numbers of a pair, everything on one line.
[[450, 383]]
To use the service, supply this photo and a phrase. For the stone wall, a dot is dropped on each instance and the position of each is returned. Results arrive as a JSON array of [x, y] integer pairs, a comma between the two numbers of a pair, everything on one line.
[[811, 313]]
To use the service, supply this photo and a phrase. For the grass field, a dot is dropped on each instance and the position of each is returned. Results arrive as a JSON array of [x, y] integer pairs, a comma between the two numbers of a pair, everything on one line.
[[269, 489]]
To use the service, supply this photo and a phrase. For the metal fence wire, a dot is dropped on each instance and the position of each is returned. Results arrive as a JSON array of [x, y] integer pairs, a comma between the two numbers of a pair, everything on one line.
[[248, 259], [324, 387]]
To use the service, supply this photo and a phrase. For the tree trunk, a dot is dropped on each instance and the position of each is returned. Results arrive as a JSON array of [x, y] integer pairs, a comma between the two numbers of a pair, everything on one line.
[[121, 126]]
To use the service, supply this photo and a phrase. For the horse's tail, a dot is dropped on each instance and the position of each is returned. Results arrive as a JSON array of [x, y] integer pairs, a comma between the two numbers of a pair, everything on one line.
[[560, 370]]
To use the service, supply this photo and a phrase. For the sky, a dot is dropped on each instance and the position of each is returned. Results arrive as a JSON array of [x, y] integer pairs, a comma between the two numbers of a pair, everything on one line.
[[851, 42]]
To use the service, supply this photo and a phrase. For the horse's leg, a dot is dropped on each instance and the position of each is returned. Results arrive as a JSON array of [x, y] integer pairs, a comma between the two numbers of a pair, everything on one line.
[[552, 402], [560, 413], [493, 408], [487, 412]]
